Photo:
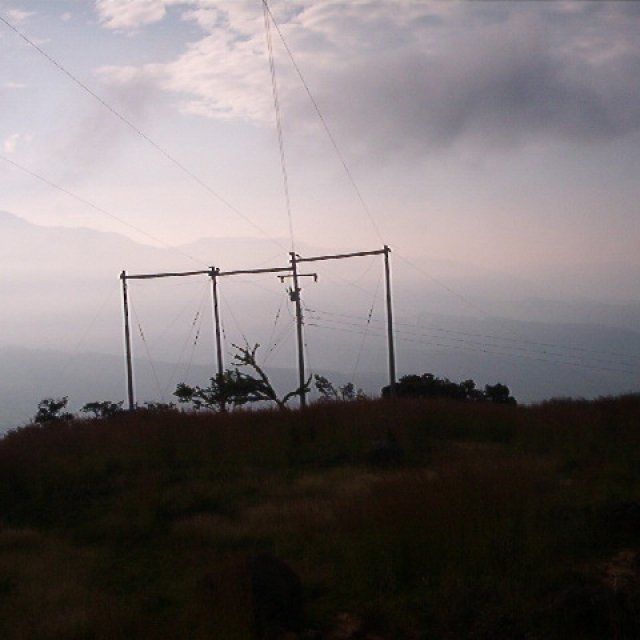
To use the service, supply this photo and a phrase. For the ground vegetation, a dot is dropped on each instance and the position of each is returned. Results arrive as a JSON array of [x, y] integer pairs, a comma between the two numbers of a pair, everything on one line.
[[481, 520]]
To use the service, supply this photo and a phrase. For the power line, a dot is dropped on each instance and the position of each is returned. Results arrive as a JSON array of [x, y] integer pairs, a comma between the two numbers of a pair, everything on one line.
[[195, 326], [274, 328], [101, 210], [539, 344], [482, 350], [330, 135], [148, 353], [234, 318], [365, 207], [454, 293], [186, 307], [477, 335], [137, 130], [276, 106], [366, 331], [280, 340]]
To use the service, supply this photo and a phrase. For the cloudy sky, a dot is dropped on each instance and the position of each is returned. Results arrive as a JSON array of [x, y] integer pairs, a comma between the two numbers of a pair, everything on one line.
[[500, 134]]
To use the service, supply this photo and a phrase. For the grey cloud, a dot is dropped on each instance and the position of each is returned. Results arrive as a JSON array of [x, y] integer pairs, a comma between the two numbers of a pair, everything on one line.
[[94, 139], [414, 77], [501, 85]]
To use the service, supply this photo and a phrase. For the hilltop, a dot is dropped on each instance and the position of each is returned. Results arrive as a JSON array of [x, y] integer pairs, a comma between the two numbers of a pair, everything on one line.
[[374, 519]]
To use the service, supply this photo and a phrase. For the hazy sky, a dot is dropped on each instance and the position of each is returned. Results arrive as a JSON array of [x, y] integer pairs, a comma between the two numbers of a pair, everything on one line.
[[497, 144], [503, 134]]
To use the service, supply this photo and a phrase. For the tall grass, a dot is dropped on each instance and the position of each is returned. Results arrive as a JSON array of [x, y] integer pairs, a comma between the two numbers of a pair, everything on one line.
[[142, 525]]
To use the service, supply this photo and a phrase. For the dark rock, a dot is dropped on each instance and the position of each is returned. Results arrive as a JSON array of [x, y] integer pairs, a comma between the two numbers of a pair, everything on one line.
[[277, 597]]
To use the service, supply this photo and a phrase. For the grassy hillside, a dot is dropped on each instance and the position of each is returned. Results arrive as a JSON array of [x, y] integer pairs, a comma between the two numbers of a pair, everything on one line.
[[402, 520]]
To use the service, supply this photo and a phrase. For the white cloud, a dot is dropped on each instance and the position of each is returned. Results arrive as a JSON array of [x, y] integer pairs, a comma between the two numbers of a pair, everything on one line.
[[14, 85], [224, 74], [66, 16], [19, 15], [129, 14]]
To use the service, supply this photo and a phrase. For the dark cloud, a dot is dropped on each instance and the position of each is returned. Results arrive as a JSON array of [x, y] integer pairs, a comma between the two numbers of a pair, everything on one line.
[[496, 85]]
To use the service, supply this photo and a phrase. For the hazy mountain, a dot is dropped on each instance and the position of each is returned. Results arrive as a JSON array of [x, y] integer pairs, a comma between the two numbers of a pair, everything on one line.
[[61, 294], [37, 373], [537, 360]]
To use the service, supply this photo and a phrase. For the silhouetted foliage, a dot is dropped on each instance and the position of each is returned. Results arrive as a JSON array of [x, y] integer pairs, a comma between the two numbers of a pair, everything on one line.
[[158, 407], [51, 410], [102, 408], [429, 386], [329, 392], [499, 393], [236, 387]]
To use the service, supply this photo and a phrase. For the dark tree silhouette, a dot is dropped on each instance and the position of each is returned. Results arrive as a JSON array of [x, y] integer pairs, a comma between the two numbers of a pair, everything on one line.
[[236, 387], [51, 410], [329, 392], [429, 386], [499, 393], [103, 408]]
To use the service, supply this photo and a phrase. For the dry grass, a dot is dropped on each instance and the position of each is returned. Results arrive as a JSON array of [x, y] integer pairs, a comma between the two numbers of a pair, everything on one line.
[[142, 526]]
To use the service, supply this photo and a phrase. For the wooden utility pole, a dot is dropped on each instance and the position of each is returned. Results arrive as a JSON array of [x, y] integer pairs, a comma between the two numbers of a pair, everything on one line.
[[214, 273], [216, 326], [125, 308], [390, 345], [127, 341], [387, 273], [295, 296], [295, 293]]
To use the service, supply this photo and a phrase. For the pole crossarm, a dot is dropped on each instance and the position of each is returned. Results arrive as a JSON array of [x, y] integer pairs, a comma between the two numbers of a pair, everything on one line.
[[300, 275], [209, 272], [338, 256], [243, 272], [170, 274]]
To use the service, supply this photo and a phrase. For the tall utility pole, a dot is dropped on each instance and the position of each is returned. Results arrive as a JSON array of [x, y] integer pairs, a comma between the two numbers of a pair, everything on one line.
[[295, 293], [127, 341], [387, 278], [214, 273], [125, 309], [216, 326], [295, 296], [390, 345]]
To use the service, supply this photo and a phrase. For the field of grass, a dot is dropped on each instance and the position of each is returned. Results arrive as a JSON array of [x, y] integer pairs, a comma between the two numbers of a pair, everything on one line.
[[402, 519]]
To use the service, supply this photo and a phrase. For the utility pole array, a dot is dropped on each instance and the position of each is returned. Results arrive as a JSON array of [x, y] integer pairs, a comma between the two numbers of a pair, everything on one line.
[[295, 294]]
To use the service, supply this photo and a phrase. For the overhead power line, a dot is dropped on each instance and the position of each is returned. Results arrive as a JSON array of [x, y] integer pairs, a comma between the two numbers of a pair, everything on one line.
[[276, 107], [137, 130], [345, 166], [95, 207], [424, 331], [479, 349], [325, 125]]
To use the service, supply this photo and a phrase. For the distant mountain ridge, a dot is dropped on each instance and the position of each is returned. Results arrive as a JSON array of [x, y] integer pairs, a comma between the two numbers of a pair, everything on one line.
[[61, 292]]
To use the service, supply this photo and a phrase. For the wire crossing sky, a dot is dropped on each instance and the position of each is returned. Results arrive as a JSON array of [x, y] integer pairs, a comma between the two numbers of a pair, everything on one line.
[[493, 145], [137, 130], [499, 134]]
